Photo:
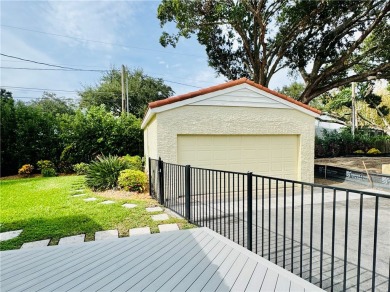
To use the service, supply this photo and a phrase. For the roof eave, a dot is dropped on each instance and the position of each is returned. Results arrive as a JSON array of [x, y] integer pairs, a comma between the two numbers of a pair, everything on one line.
[[149, 115]]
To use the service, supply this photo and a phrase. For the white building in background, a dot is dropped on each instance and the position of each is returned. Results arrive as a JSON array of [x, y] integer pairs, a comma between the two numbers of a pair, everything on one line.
[[328, 123]]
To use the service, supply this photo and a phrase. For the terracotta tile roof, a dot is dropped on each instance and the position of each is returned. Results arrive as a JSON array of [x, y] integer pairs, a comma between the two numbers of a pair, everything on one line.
[[203, 91]]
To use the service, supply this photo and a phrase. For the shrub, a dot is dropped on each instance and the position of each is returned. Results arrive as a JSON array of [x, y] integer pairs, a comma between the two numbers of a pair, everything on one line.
[[373, 151], [48, 172], [26, 170], [342, 143], [103, 173], [81, 168], [42, 164], [65, 167], [132, 180], [133, 162], [358, 152]]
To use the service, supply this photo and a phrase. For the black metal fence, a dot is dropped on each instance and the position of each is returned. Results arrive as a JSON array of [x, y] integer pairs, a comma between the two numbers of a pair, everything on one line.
[[335, 238]]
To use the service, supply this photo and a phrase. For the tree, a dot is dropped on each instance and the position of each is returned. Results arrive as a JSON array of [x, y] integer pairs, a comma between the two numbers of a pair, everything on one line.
[[142, 89], [51, 104], [371, 107], [8, 133], [293, 90], [329, 43]]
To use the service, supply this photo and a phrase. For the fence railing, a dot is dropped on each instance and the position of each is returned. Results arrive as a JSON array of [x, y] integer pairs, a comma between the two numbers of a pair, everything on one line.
[[335, 238]]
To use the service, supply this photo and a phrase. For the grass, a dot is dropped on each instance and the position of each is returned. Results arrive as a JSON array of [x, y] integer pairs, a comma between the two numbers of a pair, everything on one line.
[[45, 209]]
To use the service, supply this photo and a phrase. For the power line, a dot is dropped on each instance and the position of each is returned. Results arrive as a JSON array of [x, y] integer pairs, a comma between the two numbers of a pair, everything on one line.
[[78, 69], [40, 89], [99, 42], [65, 68], [35, 97], [46, 64], [17, 61], [50, 69]]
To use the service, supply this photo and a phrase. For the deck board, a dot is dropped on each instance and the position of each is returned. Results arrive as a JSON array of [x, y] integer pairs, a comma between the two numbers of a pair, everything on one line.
[[192, 260], [181, 274]]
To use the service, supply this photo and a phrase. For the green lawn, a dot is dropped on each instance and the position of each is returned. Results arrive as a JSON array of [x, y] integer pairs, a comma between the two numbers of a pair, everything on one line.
[[45, 209]]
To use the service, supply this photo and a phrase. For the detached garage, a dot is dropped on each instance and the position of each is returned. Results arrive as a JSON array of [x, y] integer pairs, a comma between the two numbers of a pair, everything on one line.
[[238, 126]]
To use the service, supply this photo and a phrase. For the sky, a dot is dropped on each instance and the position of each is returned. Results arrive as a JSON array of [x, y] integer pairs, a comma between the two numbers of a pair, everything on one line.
[[95, 35]]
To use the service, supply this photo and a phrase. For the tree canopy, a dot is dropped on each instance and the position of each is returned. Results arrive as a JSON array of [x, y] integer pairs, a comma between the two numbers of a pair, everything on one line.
[[142, 90], [329, 43]]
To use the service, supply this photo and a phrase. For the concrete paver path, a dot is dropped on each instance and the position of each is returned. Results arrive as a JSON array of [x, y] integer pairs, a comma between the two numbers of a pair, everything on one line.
[[129, 206], [36, 244], [72, 239], [90, 199], [160, 217], [107, 202], [154, 209], [168, 227], [10, 234], [107, 234], [139, 231]]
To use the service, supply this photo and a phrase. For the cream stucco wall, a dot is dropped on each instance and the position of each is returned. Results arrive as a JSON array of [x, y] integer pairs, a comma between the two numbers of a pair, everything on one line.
[[150, 141], [212, 120]]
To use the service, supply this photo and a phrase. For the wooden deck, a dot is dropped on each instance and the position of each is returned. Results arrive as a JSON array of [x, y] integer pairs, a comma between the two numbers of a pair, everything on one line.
[[190, 260]]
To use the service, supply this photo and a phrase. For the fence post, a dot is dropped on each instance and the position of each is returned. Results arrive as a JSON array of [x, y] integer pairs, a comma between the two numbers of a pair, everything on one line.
[[161, 180], [188, 192], [249, 211]]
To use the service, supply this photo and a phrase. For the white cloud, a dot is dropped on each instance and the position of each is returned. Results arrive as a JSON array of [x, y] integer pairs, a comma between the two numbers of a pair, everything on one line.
[[91, 20]]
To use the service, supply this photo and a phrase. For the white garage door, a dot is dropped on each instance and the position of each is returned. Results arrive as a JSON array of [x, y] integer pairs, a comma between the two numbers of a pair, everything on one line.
[[269, 155]]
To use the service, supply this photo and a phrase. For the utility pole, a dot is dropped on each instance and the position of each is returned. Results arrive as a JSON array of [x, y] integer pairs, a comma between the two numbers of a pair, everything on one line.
[[353, 114], [123, 89], [127, 94]]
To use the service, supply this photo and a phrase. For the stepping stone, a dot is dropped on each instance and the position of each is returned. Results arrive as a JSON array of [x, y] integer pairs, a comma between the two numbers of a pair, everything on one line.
[[72, 239], [90, 199], [139, 231], [107, 202], [154, 209], [168, 227], [79, 190], [107, 234], [129, 206], [79, 195], [9, 234], [160, 217], [35, 244]]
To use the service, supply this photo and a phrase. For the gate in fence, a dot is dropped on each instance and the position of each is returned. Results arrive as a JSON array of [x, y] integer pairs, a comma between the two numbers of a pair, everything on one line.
[[335, 238]]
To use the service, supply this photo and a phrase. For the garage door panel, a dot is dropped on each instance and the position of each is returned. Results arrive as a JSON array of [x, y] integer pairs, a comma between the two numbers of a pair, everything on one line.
[[270, 155]]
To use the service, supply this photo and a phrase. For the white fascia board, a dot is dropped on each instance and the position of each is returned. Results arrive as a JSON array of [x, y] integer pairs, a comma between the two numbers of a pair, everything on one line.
[[149, 115]]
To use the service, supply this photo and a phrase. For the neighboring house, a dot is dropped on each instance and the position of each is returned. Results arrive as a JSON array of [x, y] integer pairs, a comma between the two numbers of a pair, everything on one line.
[[237, 126], [325, 122]]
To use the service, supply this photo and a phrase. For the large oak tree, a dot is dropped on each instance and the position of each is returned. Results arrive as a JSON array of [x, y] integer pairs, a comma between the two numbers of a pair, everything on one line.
[[329, 43]]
